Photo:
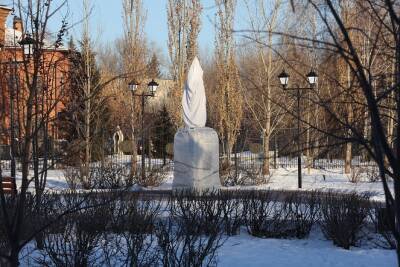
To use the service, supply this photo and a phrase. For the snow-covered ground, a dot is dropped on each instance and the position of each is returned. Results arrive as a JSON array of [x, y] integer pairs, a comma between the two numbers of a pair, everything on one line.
[[285, 179], [322, 180], [246, 250]]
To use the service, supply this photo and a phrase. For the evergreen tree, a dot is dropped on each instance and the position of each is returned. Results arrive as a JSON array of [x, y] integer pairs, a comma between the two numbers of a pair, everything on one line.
[[153, 68], [72, 119], [164, 132]]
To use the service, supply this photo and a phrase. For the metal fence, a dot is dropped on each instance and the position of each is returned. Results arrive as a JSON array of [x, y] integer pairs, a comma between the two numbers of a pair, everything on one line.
[[244, 160], [248, 160]]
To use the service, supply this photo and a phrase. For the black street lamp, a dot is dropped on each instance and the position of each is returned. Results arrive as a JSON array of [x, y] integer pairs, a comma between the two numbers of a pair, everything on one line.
[[152, 88], [27, 45], [312, 79]]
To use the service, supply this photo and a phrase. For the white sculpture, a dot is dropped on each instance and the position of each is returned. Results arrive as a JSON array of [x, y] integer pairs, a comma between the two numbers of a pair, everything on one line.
[[118, 138], [194, 97], [196, 147]]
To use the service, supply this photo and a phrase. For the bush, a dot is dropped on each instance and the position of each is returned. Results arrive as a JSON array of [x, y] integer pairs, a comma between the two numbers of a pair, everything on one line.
[[303, 212], [178, 248], [275, 214], [342, 217], [72, 177], [197, 213], [355, 174], [75, 240], [225, 174], [155, 176], [252, 175], [232, 211], [372, 174], [381, 226], [265, 216], [133, 224], [109, 176]]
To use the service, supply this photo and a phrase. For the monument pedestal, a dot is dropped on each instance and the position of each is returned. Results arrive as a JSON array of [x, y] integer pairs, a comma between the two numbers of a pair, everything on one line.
[[196, 159]]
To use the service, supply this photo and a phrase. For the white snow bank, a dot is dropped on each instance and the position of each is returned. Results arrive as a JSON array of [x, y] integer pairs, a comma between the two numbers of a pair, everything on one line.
[[245, 250]]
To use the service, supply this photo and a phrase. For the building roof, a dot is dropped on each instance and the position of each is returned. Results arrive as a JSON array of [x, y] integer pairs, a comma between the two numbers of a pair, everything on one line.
[[12, 37]]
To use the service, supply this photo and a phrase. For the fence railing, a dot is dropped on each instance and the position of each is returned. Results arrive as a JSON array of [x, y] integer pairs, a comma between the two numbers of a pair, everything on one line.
[[251, 160], [244, 160]]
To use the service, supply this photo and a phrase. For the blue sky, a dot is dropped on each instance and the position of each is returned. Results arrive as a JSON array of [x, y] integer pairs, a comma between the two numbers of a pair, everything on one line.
[[106, 21]]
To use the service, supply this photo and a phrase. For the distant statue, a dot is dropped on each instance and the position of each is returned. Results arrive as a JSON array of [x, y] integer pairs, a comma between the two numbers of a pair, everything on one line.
[[194, 98], [118, 138], [196, 147]]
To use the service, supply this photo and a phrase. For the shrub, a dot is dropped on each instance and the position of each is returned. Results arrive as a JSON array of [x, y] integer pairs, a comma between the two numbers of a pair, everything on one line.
[[72, 177], [372, 174], [178, 248], [197, 212], [249, 174], [342, 217], [382, 226], [133, 224], [265, 216], [252, 175], [275, 214], [109, 176], [75, 239], [232, 211], [303, 212], [355, 174], [155, 176], [225, 174]]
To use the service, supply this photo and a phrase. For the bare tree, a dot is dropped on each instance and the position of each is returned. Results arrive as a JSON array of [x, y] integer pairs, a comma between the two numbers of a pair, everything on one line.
[[183, 30], [229, 104], [35, 114], [369, 90], [133, 53], [86, 45], [262, 73]]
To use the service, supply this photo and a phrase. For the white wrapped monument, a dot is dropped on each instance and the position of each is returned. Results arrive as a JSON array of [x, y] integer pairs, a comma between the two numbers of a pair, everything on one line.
[[196, 147]]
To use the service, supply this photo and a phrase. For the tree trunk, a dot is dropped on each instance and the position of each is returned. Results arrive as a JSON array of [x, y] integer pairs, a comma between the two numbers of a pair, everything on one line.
[[134, 157], [134, 143], [87, 112], [308, 138], [228, 152], [347, 161], [266, 137], [348, 153]]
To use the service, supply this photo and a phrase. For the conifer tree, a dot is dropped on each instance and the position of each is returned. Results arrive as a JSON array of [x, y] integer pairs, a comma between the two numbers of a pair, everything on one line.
[[153, 68], [73, 119]]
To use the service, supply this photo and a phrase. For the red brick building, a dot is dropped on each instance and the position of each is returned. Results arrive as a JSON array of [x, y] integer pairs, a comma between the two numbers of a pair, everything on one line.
[[13, 76]]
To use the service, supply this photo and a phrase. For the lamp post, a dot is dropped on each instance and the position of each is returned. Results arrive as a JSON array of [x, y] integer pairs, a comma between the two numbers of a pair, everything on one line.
[[152, 88], [27, 45], [312, 79]]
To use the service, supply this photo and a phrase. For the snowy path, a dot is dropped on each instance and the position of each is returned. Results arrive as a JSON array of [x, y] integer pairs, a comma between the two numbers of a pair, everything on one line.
[[281, 179], [248, 251]]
